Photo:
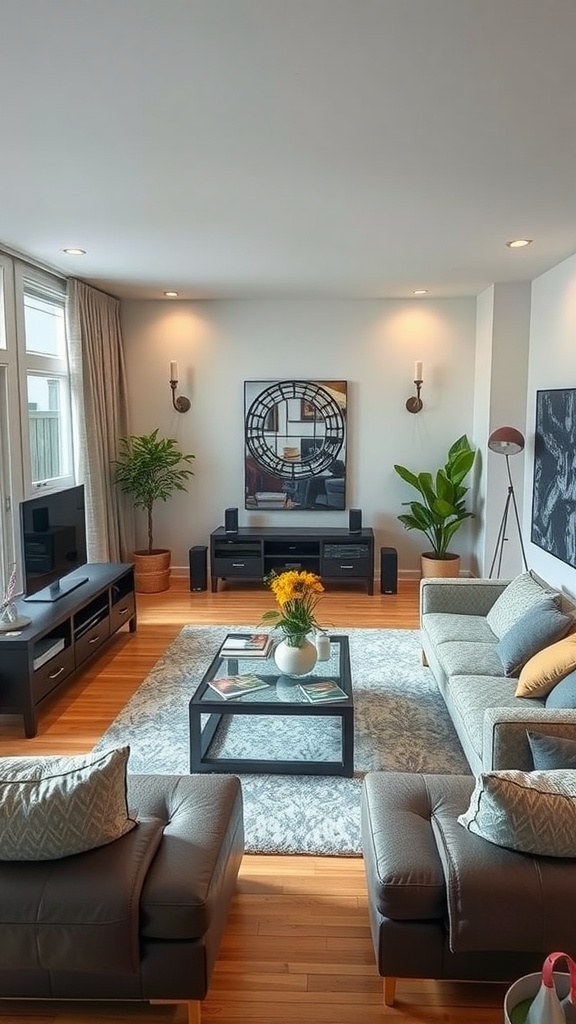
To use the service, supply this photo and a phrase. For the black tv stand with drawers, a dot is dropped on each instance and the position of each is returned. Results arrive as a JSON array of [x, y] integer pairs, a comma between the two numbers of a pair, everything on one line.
[[38, 659], [253, 552]]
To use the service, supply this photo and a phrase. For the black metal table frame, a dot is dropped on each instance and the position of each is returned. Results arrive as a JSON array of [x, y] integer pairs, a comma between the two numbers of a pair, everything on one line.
[[216, 709]]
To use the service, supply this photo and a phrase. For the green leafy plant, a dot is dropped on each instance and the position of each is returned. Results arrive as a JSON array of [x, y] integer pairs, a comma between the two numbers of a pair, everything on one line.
[[150, 469], [442, 511]]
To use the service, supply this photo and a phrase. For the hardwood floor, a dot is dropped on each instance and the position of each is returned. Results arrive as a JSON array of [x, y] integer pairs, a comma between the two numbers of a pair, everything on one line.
[[298, 944]]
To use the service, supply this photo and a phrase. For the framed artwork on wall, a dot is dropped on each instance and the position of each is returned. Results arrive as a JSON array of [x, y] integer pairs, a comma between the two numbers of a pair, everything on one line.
[[554, 488], [295, 444]]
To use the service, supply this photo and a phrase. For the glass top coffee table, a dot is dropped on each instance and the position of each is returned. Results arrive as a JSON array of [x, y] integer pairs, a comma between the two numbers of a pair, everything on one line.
[[274, 730]]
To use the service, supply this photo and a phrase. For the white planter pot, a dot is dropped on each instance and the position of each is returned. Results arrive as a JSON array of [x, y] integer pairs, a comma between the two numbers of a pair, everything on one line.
[[296, 661]]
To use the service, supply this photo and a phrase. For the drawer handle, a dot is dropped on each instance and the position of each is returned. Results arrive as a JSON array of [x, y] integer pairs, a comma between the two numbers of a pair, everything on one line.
[[122, 611], [238, 565], [54, 675], [346, 566], [94, 639]]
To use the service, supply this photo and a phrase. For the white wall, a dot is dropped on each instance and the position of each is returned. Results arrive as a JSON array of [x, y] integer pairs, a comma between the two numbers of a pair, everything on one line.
[[371, 344], [552, 364]]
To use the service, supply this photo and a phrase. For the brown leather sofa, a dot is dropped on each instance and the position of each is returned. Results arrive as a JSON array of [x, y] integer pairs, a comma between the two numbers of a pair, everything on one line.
[[447, 904], [86, 930]]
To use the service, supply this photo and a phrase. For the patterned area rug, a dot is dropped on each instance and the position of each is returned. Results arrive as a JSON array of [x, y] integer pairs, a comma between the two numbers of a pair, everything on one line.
[[401, 724]]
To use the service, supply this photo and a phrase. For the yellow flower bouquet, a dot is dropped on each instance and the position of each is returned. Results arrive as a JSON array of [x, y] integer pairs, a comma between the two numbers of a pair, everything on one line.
[[297, 593]]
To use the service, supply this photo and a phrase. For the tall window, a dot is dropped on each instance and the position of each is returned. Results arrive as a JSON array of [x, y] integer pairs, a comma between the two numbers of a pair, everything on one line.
[[35, 416]]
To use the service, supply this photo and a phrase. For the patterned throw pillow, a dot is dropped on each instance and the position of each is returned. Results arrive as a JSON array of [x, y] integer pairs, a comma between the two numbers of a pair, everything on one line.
[[551, 752], [547, 667], [515, 600], [540, 626], [532, 812], [53, 807]]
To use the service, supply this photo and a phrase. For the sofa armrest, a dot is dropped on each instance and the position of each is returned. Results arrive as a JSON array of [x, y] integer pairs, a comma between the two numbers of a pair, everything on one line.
[[505, 744], [462, 596]]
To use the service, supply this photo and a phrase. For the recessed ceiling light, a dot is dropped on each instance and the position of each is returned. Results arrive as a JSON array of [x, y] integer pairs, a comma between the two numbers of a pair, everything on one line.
[[74, 252], [420, 291], [519, 243], [171, 295]]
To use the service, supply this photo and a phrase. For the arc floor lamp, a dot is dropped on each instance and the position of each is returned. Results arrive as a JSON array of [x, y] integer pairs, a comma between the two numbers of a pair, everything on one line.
[[507, 441]]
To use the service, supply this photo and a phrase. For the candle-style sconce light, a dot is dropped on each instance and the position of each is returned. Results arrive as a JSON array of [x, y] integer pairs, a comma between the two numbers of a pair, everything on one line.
[[181, 404], [415, 403]]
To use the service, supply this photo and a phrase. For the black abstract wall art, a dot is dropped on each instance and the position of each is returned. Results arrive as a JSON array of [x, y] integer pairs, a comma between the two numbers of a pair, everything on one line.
[[554, 492]]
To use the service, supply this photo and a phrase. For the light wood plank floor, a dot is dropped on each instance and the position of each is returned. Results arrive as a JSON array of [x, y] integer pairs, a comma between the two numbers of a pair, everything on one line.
[[297, 945]]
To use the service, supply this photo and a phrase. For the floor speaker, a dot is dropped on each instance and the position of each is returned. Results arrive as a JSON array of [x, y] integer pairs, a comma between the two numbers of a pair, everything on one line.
[[388, 571], [355, 520], [198, 557], [231, 520]]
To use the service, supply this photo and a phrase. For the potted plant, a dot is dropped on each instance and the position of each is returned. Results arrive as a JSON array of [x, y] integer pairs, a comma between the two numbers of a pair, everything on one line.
[[442, 511], [151, 469]]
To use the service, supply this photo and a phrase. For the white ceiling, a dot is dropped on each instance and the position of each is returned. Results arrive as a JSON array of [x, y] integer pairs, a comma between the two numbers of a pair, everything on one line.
[[289, 147]]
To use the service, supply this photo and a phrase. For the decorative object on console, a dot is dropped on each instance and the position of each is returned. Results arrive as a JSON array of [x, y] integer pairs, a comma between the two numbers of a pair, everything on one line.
[[181, 404], [10, 617], [415, 404], [443, 510], [151, 469], [295, 444], [554, 489], [507, 441]]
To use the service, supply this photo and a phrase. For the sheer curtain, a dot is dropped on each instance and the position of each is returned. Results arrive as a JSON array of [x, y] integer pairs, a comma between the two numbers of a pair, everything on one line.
[[97, 374]]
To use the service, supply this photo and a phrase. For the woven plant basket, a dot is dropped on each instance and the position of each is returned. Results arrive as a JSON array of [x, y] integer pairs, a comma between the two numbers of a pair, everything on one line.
[[151, 571], [444, 567]]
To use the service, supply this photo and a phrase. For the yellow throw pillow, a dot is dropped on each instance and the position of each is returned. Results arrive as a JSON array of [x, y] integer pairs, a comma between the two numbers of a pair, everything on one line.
[[547, 668]]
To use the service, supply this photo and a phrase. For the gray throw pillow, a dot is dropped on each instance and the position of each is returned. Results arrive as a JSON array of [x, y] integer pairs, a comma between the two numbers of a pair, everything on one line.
[[540, 626], [551, 752], [521, 594], [52, 807], [532, 812], [564, 693]]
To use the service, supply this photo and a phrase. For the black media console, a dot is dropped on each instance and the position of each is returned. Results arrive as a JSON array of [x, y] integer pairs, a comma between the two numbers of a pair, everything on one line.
[[253, 552], [39, 659]]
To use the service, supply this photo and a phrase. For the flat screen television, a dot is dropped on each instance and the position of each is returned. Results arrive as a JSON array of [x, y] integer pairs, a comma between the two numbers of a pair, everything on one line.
[[53, 533]]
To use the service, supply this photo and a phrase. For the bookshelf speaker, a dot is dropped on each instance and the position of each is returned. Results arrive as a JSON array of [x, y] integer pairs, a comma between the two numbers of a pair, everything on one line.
[[355, 520], [198, 557], [388, 571], [231, 520]]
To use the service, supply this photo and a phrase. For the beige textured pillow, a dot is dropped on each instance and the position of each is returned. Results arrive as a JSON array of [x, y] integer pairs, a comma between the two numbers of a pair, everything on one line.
[[52, 807], [547, 667], [532, 812]]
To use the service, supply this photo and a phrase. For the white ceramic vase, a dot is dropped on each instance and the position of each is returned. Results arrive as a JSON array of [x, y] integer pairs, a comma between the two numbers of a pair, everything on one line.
[[296, 661]]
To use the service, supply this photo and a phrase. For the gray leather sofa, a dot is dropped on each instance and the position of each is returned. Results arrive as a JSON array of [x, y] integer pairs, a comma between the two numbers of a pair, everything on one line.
[[460, 648], [447, 904], [165, 948]]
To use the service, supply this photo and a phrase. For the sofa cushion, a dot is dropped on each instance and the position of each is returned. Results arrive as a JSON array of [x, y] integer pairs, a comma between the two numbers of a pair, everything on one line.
[[52, 807], [546, 668], [551, 752], [442, 626], [521, 594], [469, 658], [531, 812], [540, 626], [563, 695], [469, 697]]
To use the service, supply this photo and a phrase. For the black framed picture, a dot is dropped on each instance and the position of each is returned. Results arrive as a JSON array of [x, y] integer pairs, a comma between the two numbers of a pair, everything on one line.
[[554, 489], [295, 444]]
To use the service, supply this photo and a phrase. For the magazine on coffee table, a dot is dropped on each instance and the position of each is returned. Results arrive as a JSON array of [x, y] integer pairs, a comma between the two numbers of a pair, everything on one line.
[[246, 645], [237, 686], [319, 690]]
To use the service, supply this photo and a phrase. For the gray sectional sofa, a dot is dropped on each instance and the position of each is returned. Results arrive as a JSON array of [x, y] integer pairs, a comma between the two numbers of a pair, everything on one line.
[[460, 647]]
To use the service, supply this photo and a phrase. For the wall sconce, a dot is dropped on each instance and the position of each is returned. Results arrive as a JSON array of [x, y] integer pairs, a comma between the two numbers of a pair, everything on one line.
[[181, 404], [415, 404]]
